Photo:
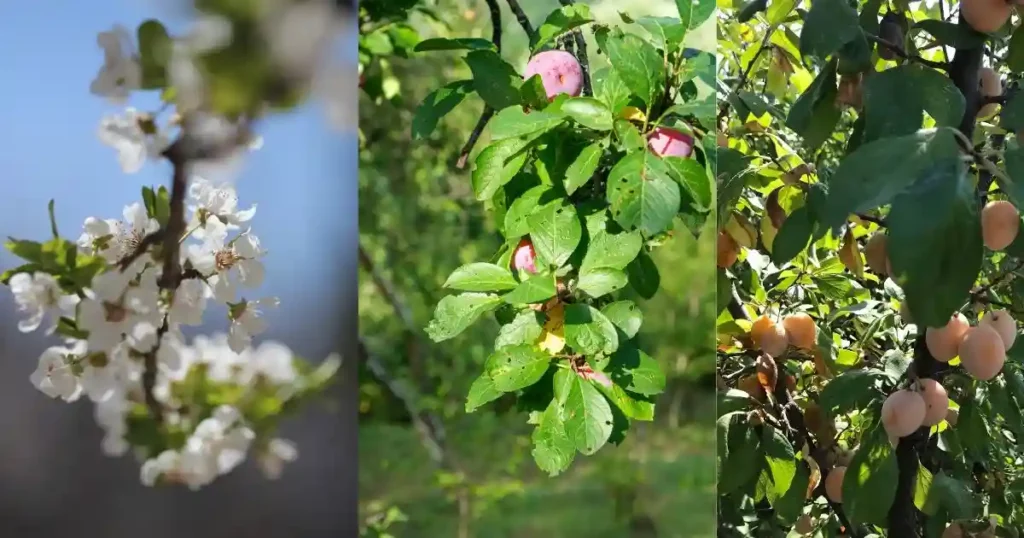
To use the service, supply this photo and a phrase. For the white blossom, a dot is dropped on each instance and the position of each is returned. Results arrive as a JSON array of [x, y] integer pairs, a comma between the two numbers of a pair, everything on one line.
[[117, 309], [121, 72], [247, 321], [37, 295], [189, 303], [115, 240], [54, 376], [127, 134], [221, 201], [227, 264], [272, 360]]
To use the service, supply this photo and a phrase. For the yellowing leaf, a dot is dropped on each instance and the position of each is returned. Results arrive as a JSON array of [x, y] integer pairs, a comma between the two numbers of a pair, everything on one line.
[[552, 339], [768, 233], [741, 230], [632, 113], [849, 254]]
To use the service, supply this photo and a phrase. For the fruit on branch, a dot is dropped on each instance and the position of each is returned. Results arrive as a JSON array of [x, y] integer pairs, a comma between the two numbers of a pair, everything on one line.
[[1003, 323], [936, 401], [851, 91], [559, 70], [769, 336], [665, 142], [944, 342], [722, 139], [1000, 222], [834, 484], [752, 386], [982, 352], [985, 16], [989, 85], [767, 372], [804, 525], [890, 30], [903, 413], [790, 383], [524, 257], [728, 250], [876, 254], [813, 417], [800, 330], [952, 416]]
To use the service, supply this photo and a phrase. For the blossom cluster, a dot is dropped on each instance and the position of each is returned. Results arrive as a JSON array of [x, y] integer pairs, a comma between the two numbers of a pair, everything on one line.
[[190, 410]]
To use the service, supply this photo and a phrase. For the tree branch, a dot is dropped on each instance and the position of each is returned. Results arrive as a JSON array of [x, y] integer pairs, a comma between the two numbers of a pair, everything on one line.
[[488, 112], [524, 21], [898, 51]]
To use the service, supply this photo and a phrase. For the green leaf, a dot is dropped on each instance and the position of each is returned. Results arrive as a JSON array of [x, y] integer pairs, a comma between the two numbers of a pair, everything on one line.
[[588, 417], [935, 244], [880, 170], [589, 332], [583, 167], [850, 391], [30, 251], [625, 315], [609, 88], [869, 486], [496, 165], [890, 110], [814, 114], [790, 505], [514, 121], [494, 79], [644, 276], [162, 206], [561, 21], [666, 32], [526, 328], [642, 193], [460, 43], [610, 250], [556, 232], [1011, 117], [481, 277], [952, 496], [628, 136], [455, 313], [481, 392], [952, 34], [154, 53], [828, 26], [1013, 158], [739, 449], [636, 371], [702, 109], [602, 281], [536, 289], [693, 178], [516, 367], [553, 450], [781, 460], [638, 64], [1015, 57], [589, 112], [516, 224], [438, 104], [693, 13], [630, 405], [793, 236]]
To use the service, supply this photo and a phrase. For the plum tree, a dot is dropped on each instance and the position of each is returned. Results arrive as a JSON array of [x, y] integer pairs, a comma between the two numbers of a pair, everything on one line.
[[769, 336], [871, 176], [587, 161], [834, 484], [800, 330]]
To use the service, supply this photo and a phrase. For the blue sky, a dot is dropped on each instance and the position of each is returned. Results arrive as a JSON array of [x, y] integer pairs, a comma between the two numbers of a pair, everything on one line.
[[304, 179]]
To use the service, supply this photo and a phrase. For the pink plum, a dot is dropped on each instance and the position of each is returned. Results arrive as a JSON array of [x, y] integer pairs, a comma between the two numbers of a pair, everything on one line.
[[524, 257], [667, 142], [559, 70]]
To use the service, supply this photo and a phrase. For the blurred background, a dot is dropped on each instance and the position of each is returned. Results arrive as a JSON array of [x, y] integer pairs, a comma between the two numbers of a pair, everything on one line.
[[418, 221], [54, 479]]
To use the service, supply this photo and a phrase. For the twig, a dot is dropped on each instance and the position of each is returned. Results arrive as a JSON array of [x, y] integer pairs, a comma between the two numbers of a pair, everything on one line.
[[868, 218], [488, 112], [581, 54], [524, 21], [898, 51], [723, 109]]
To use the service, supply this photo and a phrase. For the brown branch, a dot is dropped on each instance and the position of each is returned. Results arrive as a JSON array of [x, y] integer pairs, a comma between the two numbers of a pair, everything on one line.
[[898, 51], [524, 21], [488, 112]]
